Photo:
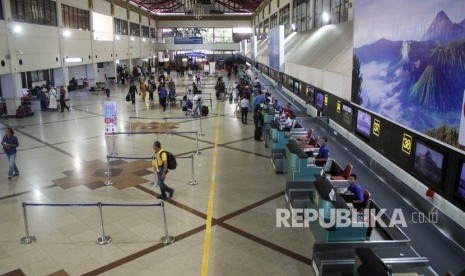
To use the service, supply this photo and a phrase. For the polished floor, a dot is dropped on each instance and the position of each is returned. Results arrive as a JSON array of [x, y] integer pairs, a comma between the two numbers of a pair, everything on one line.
[[62, 159]]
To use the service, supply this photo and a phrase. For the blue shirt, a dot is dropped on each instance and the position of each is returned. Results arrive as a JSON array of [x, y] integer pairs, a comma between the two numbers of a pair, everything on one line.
[[323, 152], [357, 191], [259, 100], [12, 140]]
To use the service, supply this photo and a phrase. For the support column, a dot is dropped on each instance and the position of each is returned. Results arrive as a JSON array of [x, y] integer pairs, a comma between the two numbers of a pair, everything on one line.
[[12, 92], [61, 76]]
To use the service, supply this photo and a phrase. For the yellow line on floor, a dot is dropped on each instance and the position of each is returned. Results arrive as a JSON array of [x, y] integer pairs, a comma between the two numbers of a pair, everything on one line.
[[208, 230]]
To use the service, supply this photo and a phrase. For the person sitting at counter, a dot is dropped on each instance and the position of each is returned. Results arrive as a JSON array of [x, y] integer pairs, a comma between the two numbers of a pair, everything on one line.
[[286, 124], [356, 190], [277, 107], [323, 151]]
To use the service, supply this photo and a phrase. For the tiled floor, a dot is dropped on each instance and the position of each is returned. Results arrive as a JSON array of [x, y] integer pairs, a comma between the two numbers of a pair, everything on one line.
[[63, 159]]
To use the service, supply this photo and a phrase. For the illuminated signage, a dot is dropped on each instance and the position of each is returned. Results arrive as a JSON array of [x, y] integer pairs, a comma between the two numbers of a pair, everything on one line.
[[376, 127], [338, 107], [407, 143], [326, 99]]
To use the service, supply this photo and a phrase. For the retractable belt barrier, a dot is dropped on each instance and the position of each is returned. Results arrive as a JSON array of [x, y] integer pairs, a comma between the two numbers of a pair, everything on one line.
[[109, 181], [114, 134], [103, 239]]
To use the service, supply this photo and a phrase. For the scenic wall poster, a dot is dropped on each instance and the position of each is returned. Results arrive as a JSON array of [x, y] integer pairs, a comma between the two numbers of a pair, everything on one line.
[[409, 63]]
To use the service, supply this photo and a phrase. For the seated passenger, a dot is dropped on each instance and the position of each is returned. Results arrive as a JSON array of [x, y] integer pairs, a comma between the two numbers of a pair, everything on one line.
[[356, 190]]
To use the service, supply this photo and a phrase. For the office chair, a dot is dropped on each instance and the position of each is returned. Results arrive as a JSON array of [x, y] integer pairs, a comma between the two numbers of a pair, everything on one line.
[[365, 205], [306, 138], [345, 174], [312, 146]]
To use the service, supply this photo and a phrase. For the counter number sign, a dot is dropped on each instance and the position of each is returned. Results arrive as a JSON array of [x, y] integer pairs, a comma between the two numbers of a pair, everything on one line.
[[338, 107], [407, 143], [326, 99], [376, 127]]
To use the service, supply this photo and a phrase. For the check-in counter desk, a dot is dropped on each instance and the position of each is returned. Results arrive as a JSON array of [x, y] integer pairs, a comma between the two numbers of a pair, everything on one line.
[[296, 168], [268, 117], [325, 229], [278, 147]]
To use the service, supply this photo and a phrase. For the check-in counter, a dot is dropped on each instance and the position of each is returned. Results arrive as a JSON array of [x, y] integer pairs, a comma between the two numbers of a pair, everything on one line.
[[329, 204], [278, 141], [268, 117], [296, 168]]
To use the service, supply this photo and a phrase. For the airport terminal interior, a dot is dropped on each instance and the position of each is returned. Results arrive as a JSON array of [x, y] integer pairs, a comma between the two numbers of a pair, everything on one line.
[[85, 198]]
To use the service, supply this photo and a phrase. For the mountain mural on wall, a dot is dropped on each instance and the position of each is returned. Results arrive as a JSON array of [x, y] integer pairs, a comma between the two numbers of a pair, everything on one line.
[[420, 83]]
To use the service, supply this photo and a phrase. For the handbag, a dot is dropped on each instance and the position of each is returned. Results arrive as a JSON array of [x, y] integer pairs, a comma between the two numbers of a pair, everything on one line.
[[128, 97]]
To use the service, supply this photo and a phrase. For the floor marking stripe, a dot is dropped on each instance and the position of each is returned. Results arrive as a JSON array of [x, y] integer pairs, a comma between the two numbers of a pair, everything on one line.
[[206, 245]]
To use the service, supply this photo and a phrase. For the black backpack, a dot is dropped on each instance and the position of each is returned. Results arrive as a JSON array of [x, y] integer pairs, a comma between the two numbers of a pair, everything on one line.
[[171, 160]]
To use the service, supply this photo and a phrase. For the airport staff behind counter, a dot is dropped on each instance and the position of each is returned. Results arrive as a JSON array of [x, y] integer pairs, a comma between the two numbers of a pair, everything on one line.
[[356, 190]]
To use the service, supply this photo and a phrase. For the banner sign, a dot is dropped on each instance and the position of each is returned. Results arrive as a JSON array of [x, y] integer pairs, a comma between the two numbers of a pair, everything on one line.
[[109, 109], [188, 40]]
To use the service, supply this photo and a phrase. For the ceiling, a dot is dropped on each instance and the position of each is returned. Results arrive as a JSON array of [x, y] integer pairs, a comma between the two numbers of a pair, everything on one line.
[[210, 6]]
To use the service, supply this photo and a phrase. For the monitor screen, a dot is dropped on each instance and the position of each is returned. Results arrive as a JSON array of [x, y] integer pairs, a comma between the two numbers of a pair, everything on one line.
[[461, 185], [347, 115], [320, 98], [311, 95], [428, 164], [363, 123]]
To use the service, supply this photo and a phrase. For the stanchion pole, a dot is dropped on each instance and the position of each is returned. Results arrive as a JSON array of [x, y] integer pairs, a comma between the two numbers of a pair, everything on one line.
[[200, 118], [166, 123], [108, 181], [192, 181], [130, 125], [197, 152], [113, 137], [166, 239], [103, 239], [27, 239]]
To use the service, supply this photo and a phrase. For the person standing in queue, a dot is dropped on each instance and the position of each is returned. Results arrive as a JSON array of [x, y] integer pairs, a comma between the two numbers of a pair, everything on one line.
[[259, 123], [160, 165], [63, 99], [244, 109], [10, 143]]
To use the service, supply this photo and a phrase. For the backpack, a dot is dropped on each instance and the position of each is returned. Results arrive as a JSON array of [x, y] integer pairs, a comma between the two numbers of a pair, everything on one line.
[[221, 87], [171, 160]]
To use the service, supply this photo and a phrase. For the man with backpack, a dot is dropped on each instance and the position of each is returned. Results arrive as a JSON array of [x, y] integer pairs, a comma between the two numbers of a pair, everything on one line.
[[160, 165]]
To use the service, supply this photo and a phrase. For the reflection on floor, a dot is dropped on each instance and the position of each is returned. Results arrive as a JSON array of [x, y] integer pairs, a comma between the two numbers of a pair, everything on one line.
[[63, 159]]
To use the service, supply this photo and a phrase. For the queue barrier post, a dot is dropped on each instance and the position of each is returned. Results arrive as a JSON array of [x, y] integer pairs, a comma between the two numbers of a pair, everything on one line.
[[103, 239], [108, 181], [192, 181], [197, 152], [166, 239], [27, 239], [113, 144]]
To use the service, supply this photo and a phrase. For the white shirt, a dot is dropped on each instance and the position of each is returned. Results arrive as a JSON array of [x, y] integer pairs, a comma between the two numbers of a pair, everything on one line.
[[244, 102]]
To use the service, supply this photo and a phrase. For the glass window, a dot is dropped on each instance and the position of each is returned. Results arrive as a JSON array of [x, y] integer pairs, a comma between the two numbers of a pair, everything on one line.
[[274, 20], [300, 14], [145, 31], [223, 35], [284, 19], [134, 29], [266, 26], [41, 12], [153, 32], [121, 26], [75, 18]]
